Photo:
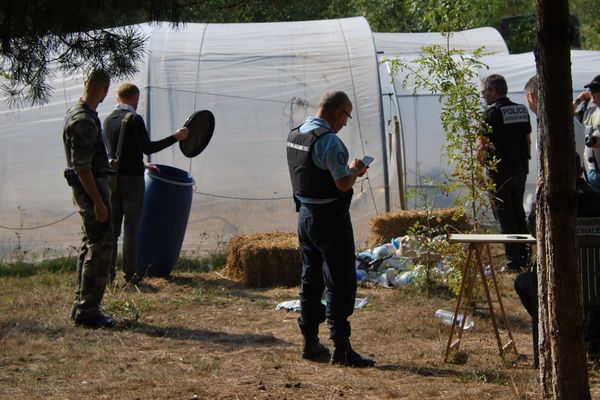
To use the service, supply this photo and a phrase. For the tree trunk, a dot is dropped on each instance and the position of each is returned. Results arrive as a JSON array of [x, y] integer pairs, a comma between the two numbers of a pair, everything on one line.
[[563, 369]]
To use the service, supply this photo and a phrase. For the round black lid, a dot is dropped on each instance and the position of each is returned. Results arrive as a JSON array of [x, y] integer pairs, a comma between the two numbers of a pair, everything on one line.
[[201, 126]]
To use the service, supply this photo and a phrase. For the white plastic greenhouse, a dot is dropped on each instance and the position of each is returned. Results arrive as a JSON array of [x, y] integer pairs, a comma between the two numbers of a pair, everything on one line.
[[259, 80], [423, 137]]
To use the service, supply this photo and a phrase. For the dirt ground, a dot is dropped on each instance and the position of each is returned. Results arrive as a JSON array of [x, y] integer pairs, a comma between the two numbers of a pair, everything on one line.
[[201, 336]]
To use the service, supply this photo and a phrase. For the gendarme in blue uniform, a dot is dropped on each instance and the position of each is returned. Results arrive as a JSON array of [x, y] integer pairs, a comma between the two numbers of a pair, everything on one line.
[[316, 159]]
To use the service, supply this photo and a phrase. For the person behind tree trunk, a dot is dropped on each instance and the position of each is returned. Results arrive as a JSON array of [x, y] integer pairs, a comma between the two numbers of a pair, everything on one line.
[[590, 117], [525, 283]]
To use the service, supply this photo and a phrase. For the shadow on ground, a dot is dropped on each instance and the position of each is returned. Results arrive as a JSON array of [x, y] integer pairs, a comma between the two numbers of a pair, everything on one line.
[[466, 376], [30, 326], [225, 339]]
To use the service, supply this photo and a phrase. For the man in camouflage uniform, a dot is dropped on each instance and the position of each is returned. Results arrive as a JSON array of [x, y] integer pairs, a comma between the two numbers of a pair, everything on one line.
[[86, 174]]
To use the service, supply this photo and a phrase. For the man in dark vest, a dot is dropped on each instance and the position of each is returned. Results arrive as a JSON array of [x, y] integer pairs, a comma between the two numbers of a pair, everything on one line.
[[128, 191], [588, 199], [508, 140], [86, 173], [322, 183]]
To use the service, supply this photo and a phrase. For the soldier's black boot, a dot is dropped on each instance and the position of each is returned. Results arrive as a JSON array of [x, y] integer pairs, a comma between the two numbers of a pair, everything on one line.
[[314, 350], [343, 354], [98, 320]]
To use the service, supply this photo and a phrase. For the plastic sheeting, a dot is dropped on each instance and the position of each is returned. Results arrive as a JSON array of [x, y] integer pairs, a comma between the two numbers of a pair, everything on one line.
[[424, 139], [259, 80], [410, 44]]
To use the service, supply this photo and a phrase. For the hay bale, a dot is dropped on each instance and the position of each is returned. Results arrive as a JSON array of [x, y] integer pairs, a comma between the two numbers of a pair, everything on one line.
[[386, 226], [264, 259]]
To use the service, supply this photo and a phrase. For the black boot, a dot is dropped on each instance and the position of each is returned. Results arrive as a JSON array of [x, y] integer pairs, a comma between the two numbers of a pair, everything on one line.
[[112, 275], [343, 354], [313, 350], [98, 320], [593, 350]]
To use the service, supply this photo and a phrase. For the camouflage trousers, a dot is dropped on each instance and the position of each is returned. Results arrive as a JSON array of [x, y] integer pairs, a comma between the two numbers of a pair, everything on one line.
[[94, 259]]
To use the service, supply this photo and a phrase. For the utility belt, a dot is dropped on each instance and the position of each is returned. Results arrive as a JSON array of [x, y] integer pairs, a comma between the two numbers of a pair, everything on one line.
[[341, 204], [73, 180]]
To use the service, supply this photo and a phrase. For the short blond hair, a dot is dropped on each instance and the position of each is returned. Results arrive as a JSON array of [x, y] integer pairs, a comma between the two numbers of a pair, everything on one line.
[[127, 91]]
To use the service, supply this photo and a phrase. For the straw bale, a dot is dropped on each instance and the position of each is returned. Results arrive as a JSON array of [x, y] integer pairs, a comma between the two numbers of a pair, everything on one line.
[[389, 225], [264, 259]]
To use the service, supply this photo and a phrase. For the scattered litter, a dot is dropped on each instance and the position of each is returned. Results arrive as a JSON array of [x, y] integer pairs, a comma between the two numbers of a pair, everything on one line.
[[446, 317], [404, 278], [294, 305], [384, 250], [290, 305], [361, 302], [487, 270], [388, 278], [395, 265]]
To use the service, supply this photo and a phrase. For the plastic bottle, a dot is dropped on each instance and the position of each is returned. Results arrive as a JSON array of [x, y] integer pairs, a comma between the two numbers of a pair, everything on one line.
[[360, 303], [404, 278], [361, 275], [446, 316], [388, 278], [487, 270]]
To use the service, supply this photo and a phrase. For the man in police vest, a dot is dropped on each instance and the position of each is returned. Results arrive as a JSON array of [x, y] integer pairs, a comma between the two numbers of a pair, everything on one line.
[[322, 183], [509, 140], [87, 170]]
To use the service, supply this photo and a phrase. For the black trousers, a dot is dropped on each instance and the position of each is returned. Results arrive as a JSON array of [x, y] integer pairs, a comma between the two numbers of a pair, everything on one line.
[[526, 287], [507, 205], [328, 266]]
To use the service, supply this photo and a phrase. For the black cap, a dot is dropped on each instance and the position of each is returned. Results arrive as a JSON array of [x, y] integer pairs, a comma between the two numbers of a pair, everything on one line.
[[594, 84]]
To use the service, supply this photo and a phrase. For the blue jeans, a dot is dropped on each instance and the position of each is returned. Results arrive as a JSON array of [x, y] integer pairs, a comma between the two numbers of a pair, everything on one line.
[[127, 203]]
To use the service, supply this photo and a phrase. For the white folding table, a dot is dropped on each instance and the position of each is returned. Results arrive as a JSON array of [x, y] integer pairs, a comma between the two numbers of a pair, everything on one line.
[[477, 244]]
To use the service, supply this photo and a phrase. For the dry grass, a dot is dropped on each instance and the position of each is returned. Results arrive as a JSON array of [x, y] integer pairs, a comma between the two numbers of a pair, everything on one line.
[[200, 334]]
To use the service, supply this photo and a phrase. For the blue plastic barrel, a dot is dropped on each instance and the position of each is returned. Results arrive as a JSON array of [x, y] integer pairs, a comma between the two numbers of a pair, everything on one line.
[[167, 204]]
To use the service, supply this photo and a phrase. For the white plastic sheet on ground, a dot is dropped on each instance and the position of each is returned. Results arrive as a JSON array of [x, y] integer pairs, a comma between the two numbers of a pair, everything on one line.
[[294, 305]]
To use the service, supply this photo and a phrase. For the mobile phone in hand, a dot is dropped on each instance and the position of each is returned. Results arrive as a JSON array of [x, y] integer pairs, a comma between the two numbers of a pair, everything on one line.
[[367, 160]]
